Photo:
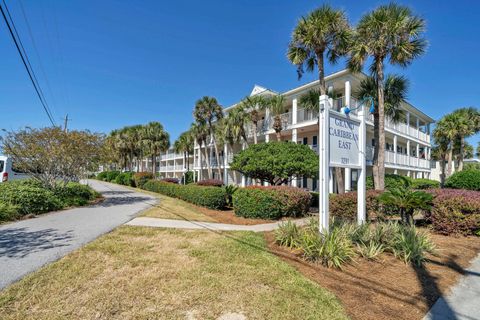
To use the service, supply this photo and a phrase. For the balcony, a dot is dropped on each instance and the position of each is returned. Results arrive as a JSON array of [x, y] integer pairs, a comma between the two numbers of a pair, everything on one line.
[[399, 159], [403, 128], [304, 115]]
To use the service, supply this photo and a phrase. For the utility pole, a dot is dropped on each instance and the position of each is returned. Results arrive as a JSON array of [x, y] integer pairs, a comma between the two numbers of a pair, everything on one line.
[[65, 123]]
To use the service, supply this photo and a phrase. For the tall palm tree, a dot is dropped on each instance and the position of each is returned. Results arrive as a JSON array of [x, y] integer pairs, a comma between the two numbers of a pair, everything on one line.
[[447, 128], [234, 125], [200, 133], [440, 151], [390, 32], [323, 32], [208, 111], [277, 108], [156, 140], [184, 145], [468, 125], [253, 106]]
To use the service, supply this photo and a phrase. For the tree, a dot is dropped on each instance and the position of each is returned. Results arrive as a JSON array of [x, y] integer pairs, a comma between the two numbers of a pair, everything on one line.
[[390, 32], [447, 128], [324, 31], [468, 124], [155, 141], [52, 156], [207, 111], [277, 108], [276, 162], [407, 201], [200, 133], [234, 125], [478, 150], [253, 106], [440, 151]]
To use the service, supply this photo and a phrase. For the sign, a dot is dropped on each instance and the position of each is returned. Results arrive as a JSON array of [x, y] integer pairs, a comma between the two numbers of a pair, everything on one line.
[[344, 145]]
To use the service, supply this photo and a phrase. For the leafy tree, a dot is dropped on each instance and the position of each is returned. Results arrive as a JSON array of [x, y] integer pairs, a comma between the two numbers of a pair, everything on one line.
[[155, 140], [253, 106], [52, 156], [323, 32], [390, 32], [407, 201], [468, 124], [207, 111], [276, 162]]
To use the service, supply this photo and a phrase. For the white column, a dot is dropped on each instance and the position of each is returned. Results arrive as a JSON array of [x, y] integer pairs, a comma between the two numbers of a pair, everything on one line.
[[324, 166], [243, 177], [294, 139], [418, 154], [362, 176], [225, 163], [348, 93], [294, 111], [330, 92], [200, 171], [395, 148], [395, 171], [330, 180], [267, 137], [348, 179], [408, 122], [408, 148]]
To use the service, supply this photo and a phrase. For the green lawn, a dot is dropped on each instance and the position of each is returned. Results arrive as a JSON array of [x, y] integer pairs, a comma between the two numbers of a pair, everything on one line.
[[147, 273]]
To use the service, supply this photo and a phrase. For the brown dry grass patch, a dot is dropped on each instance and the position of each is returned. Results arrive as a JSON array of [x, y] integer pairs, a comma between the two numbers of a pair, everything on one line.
[[390, 289], [149, 273]]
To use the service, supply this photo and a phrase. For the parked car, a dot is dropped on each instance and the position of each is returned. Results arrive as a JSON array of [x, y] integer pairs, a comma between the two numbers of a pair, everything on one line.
[[7, 171]]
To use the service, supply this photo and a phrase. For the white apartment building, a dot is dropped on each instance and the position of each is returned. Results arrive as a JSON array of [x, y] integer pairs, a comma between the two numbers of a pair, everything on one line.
[[408, 147]]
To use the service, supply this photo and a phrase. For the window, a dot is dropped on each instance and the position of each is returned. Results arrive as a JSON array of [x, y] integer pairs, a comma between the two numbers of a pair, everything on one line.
[[315, 141], [314, 184], [2, 165], [373, 142], [305, 140], [305, 182]]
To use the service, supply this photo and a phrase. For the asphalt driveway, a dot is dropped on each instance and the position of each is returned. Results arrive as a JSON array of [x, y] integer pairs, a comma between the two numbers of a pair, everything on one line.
[[27, 245]]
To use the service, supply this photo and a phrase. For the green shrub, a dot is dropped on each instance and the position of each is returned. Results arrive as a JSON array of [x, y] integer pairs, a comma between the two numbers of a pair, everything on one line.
[[406, 201], [229, 191], [8, 212], [141, 178], [287, 234], [466, 179], [271, 202], [411, 245], [111, 175], [210, 197], [75, 194], [391, 181], [125, 178], [315, 199], [29, 199], [188, 177], [344, 206], [422, 184], [102, 176]]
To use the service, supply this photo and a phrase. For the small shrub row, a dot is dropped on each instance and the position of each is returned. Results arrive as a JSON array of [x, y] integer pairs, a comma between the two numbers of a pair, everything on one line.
[[272, 202], [140, 178], [466, 179], [395, 181], [170, 180], [345, 241], [210, 182], [344, 206], [19, 198], [210, 197]]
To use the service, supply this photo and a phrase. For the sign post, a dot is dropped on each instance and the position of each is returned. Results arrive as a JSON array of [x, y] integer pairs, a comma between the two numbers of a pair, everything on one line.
[[342, 144]]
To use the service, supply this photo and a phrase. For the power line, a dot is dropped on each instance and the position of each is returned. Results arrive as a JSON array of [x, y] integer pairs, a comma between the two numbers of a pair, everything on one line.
[[26, 62]]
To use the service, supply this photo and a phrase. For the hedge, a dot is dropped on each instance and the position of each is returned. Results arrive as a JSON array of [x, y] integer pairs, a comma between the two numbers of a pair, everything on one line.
[[140, 178], [125, 178], [272, 202], [344, 206], [210, 182], [455, 212], [210, 197], [466, 179], [424, 184], [391, 181], [19, 198]]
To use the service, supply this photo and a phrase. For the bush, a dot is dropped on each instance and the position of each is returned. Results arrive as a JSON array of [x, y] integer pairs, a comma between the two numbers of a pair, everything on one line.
[[466, 179], [455, 212], [271, 202], [8, 212], [344, 206], [111, 175], [391, 181], [188, 177], [411, 246], [315, 199], [170, 180], [210, 182], [125, 178], [210, 197], [141, 178], [424, 184], [287, 234], [75, 194], [29, 199], [102, 176]]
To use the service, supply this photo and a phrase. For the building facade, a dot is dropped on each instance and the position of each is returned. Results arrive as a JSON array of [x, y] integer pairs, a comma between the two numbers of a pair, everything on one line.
[[408, 145]]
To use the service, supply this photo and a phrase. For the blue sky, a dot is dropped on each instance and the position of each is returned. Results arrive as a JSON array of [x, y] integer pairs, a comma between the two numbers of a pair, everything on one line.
[[114, 63]]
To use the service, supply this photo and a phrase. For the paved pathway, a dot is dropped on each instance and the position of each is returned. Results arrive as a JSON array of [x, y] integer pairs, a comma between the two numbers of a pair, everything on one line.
[[463, 303], [27, 245], [188, 224]]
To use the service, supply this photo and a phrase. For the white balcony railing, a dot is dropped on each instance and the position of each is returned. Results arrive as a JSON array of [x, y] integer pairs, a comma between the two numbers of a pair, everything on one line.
[[399, 159], [403, 128], [304, 115]]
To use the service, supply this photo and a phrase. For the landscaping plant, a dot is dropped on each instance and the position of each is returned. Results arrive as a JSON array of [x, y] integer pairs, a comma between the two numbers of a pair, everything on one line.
[[406, 201], [210, 182], [467, 179], [229, 191]]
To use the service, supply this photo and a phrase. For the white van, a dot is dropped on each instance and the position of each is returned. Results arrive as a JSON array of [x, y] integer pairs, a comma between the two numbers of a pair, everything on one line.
[[6, 171]]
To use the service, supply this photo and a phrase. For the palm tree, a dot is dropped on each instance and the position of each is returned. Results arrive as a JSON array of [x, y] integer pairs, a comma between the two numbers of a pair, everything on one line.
[[207, 111], [440, 151], [277, 108], [200, 133], [468, 125], [324, 31], [253, 106], [447, 128], [156, 140], [407, 201], [184, 144], [390, 32], [234, 125]]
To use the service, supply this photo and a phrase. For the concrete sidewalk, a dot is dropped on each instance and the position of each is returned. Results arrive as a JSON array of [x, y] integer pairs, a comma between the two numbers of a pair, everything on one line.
[[184, 224], [463, 303]]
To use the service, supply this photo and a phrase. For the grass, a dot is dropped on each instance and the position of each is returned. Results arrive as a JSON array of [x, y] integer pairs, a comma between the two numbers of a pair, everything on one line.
[[147, 273]]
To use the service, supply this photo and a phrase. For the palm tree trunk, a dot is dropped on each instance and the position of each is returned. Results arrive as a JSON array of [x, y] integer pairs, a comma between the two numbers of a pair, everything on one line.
[[207, 160], [340, 180], [217, 158], [460, 156], [255, 125], [154, 164], [379, 166], [442, 171], [450, 160], [321, 73]]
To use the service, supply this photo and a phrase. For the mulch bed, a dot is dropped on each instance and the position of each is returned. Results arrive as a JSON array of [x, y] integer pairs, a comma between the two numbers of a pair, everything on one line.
[[390, 289]]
